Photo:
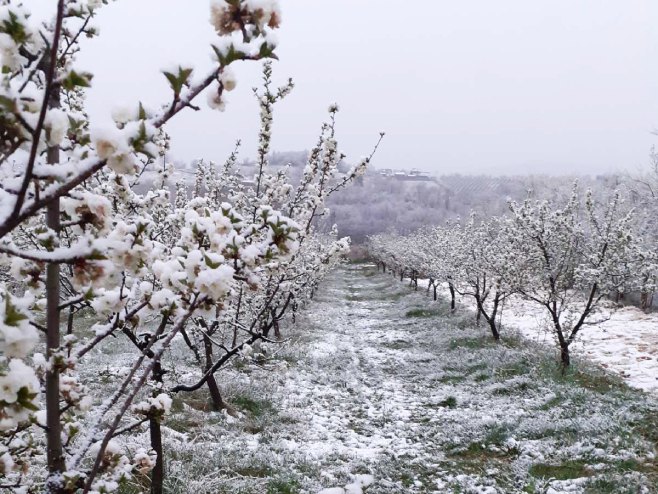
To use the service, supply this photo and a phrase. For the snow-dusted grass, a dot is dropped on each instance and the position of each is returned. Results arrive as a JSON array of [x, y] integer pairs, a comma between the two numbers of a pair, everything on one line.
[[623, 340], [381, 381]]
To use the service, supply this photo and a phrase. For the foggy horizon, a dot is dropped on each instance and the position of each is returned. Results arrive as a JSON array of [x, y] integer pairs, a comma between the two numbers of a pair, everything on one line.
[[507, 89]]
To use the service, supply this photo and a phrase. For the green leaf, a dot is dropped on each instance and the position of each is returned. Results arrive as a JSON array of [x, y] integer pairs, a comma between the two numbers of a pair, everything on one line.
[[14, 28], [142, 112], [74, 79], [210, 263], [25, 399], [12, 316], [230, 56], [179, 80], [267, 51]]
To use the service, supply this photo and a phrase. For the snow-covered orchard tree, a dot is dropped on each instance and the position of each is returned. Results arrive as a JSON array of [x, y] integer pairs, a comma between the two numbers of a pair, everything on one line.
[[473, 260], [76, 235], [437, 259], [566, 259], [643, 191], [571, 257], [485, 266]]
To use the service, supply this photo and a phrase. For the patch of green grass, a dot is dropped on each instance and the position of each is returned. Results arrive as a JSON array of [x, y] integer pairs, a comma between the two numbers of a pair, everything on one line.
[[391, 297], [572, 469], [599, 382], [581, 375], [253, 470], [469, 342], [361, 260], [283, 486], [421, 313], [518, 368], [136, 485], [449, 402], [481, 377], [451, 379], [613, 485], [552, 403], [513, 387], [397, 344], [497, 434], [255, 407], [647, 426]]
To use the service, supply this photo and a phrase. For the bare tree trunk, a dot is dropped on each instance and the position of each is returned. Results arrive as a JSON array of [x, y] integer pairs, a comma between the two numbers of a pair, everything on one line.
[[494, 329], [157, 474], [218, 402], [435, 296], [451, 287], [565, 358], [55, 451], [275, 320], [490, 318], [215, 395]]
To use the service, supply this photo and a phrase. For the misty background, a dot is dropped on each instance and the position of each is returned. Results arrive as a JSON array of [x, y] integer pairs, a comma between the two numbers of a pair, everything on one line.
[[492, 99], [471, 87]]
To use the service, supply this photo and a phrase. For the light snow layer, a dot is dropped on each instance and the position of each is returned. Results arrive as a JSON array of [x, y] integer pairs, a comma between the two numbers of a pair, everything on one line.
[[624, 342]]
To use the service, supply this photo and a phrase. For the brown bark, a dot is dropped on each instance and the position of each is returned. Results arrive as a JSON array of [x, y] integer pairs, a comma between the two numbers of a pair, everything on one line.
[[451, 287], [55, 451], [157, 474], [215, 395]]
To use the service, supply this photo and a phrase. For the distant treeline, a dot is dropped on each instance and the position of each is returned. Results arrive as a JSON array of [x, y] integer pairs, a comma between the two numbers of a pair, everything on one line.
[[380, 203]]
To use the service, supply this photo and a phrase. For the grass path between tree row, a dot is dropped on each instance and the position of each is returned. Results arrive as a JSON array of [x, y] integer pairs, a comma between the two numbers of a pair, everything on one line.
[[382, 390]]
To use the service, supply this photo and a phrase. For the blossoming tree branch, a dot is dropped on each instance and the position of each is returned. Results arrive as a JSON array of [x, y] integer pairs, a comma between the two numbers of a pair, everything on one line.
[[90, 230]]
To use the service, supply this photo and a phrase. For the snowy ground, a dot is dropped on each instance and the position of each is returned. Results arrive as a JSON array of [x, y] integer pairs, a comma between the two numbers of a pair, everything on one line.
[[381, 391], [626, 341]]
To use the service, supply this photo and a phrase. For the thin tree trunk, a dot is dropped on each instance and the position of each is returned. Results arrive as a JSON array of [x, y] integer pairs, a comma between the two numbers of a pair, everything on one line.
[[435, 296], [494, 329], [275, 320], [218, 402], [452, 297], [215, 395], [490, 318], [55, 451], [565, 358], [157, 474]]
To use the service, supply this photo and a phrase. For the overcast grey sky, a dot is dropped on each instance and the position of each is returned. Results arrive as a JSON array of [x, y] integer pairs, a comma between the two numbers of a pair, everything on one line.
[[467, 86]]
